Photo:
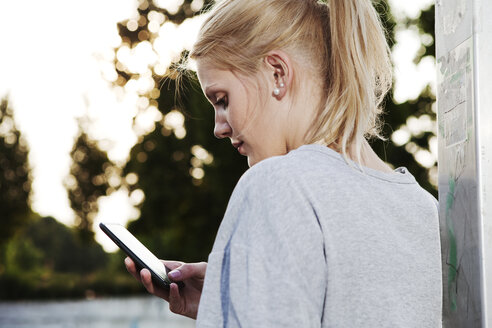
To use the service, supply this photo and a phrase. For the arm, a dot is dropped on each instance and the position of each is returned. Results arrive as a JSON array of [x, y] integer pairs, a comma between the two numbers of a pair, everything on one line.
[[184, 301]]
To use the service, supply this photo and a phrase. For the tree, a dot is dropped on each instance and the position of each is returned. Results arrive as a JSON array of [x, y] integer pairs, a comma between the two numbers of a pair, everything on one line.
[[47, 259], [398, 116], [15, 182], [88, 180], [35, 248]]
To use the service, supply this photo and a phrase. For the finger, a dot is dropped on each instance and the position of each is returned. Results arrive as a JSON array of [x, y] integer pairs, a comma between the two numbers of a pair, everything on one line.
[[189, 270], [175, 303], [146, 279], [131, 268], [171, 265]]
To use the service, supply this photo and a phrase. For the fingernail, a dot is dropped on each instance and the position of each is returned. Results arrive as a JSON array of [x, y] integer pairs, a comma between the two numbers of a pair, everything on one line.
[[175, 274]]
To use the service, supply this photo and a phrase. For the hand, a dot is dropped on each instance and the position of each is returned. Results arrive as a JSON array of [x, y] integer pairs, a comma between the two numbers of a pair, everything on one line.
[[184, 301]]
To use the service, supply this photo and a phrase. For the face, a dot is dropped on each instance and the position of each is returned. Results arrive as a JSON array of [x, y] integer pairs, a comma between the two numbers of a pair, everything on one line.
[[249, 116]]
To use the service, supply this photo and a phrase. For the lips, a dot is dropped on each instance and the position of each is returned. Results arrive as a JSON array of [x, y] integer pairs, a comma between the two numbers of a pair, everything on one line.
[[238, 145]]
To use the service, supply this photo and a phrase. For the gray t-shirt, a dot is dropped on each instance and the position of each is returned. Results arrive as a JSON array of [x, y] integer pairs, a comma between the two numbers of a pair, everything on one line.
[[310, 241]]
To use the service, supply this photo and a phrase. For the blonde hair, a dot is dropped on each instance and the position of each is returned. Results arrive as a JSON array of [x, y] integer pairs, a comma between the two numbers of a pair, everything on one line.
[[342, 41]]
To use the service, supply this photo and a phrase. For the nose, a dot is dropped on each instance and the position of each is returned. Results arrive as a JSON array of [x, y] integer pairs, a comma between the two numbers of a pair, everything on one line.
[[222, 129]]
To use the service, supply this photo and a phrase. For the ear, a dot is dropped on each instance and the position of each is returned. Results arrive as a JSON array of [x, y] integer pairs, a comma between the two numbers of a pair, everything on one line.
[[280, 69]]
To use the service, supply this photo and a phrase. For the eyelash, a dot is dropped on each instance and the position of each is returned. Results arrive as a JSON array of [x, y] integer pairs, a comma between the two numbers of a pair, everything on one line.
[[221, 101]]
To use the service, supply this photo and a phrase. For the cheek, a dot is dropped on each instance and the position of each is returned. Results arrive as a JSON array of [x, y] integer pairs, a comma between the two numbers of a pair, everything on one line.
[[241, 113], [247, 110]]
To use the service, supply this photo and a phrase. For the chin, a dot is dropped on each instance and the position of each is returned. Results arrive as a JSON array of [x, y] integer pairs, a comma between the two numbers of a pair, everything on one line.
[[252, 160]]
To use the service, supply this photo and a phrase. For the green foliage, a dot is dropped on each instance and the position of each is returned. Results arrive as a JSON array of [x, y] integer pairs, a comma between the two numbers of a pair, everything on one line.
[[397, 116], [87, 182], [49, 244], [425, 25], [22, 255], [15, 183], [142, 32], [47, 259]]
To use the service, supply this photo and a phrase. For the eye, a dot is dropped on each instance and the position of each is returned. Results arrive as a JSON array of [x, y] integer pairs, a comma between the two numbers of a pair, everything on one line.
[[221, 102]]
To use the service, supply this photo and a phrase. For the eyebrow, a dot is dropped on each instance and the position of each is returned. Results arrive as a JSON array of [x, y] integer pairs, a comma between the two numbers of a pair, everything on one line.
[[209, 96], [209, 92]]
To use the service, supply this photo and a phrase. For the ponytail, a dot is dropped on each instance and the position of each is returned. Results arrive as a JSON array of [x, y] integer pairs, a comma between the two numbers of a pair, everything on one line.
[[358, 76]]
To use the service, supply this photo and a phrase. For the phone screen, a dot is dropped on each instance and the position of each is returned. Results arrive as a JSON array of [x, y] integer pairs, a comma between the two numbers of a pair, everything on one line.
[[136, 250]]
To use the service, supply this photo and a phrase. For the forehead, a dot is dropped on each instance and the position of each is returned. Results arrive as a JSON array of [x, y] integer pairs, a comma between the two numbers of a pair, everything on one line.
[[212, 78], [209, 74]]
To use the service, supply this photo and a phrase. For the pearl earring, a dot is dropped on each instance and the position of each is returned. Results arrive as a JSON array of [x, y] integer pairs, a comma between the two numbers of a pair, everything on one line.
[[282, 84], [276, 91]]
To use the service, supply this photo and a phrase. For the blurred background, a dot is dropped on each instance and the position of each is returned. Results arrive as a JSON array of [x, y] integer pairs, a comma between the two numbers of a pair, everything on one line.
[[91, 130]]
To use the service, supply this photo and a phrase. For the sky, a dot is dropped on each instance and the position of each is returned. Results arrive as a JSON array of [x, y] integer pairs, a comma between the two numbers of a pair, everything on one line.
[[56, 67]]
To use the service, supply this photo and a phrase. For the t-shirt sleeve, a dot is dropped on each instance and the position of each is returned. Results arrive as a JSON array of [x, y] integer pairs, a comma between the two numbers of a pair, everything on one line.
[[273, 270]]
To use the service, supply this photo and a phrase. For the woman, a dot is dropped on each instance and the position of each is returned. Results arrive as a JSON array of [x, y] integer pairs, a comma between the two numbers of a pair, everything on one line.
[[319, 231]]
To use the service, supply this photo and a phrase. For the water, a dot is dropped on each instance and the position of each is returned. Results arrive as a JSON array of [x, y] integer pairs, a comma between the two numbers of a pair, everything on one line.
[[131, 312]]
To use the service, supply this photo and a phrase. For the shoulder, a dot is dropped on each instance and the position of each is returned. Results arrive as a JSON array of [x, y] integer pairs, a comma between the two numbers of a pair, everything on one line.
[[272, 199], [294, 168], [283, 188], [270, 182], [269, 172], [277, 187]]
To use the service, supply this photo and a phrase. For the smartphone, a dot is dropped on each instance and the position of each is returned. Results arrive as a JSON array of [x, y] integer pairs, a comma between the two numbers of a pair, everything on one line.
[[142, 257]]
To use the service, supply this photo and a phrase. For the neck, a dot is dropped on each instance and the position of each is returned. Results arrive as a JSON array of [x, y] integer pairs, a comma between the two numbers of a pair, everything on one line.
[[368, 157], [301, 111]]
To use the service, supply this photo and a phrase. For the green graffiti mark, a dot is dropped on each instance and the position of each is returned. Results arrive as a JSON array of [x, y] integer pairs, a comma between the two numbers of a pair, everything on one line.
[[453, 252]]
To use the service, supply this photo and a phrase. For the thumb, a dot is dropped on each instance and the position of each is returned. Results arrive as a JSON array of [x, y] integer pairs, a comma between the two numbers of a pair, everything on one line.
[[189, 270]]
